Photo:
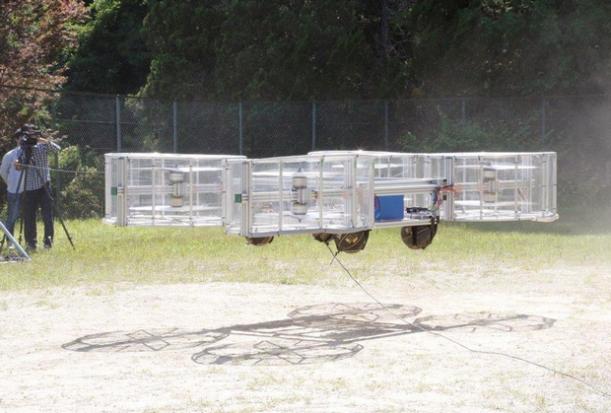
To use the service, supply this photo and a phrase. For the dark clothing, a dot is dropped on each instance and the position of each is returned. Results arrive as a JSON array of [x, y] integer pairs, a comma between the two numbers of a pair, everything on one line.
[[37, 193], [31, 202], [38, 174]]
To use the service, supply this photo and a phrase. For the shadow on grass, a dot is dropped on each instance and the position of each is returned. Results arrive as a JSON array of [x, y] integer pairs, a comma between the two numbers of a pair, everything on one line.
[[312, 334]]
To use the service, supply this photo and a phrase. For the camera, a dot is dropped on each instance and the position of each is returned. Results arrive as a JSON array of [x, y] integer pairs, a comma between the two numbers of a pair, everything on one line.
[[28, 136], [28, 141]]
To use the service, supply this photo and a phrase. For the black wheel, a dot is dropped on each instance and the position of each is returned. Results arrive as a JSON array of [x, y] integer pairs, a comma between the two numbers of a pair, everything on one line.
[[351, 243], [418, 237], [322, 237], [258, 241]]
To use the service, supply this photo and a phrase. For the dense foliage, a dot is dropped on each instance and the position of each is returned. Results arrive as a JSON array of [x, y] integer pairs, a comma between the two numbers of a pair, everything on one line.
[[301, 49], [36, 37], [112, 57], [511, 47], [81, 192], [276, 49]]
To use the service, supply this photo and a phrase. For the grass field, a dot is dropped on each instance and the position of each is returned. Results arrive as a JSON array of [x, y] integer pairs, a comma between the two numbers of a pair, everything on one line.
[[107, 254]]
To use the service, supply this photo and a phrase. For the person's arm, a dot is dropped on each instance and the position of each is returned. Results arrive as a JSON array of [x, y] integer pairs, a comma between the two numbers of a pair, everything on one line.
[[49, 145], [5, 166]]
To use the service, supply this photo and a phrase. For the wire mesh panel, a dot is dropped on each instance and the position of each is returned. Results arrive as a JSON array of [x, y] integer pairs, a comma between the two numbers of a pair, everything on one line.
[[276, 128], [501, 186], [145, 124], [350, 124], [207, 127], [165, 189], [421, 119], [87, 120]]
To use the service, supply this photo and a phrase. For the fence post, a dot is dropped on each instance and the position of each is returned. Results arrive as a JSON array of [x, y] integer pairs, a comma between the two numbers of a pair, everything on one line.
[[174, 127], [240, 129], [543, 119], [118, 121], [313, 125], [386, 124]]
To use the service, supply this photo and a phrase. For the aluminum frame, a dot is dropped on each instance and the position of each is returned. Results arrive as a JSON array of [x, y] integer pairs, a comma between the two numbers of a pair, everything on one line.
[[153, 189], [501, 186], [351, 180], [327, 191], [523, 184]]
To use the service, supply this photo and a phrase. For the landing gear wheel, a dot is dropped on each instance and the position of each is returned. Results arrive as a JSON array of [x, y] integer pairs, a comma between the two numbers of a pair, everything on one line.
[[351, 243], [322, 237], [258, 241], [418, 237]]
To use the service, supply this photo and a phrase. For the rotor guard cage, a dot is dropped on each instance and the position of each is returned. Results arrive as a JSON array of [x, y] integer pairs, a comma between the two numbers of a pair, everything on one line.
[[153, 189]]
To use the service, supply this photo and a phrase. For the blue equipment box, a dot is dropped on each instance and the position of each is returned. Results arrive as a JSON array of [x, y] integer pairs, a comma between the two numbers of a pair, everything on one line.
[[388, 208]]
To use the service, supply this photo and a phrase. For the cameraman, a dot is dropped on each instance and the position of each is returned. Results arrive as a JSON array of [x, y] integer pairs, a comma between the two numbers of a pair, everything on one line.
[[34, 162], [14, 185]]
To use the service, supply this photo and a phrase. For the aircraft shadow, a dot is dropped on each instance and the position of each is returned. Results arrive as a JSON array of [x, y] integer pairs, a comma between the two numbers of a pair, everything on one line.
[[311, 334]]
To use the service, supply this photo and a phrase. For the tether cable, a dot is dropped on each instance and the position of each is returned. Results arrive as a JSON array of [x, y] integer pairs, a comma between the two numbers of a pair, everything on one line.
[[458, 343]]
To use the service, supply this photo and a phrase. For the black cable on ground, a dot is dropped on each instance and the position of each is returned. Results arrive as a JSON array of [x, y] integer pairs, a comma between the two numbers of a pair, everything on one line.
[[458, 343]]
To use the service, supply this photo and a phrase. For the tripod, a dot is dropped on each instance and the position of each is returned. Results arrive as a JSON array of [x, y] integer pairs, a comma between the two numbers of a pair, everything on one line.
[[8, 236], [27, 164]]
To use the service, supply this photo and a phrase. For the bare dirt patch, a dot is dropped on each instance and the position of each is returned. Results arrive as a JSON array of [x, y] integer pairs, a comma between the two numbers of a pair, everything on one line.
[[231, 347]]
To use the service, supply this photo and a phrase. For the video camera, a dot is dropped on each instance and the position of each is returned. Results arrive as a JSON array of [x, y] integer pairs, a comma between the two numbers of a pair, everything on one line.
[[28, 136], [28, 141]]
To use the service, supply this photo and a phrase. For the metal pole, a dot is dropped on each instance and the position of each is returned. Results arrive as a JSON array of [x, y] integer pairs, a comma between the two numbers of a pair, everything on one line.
[[463, 110], [122, 183], [191, 192], [174, 127], [281, 203], [386, 124], [118, 121], [543, 119], [240, 127], [14, 242], [313, 125]]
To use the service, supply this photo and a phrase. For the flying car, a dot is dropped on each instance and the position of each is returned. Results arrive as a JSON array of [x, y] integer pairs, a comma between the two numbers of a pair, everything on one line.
[[336, 196]]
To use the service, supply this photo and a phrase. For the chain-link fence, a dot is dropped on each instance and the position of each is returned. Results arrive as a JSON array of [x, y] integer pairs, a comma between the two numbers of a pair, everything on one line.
[[113, 123], [130, 124], [577, 127]]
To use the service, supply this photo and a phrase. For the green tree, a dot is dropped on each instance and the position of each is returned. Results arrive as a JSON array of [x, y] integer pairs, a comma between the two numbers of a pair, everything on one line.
[[181, 37], [277, 49], [293, 51], [511, 47], [36, 37], [112, 56], [301, 49], [82, 192]]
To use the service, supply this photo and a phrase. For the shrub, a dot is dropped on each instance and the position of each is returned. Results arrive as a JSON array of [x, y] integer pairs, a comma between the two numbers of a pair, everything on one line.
[[82, 191]]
